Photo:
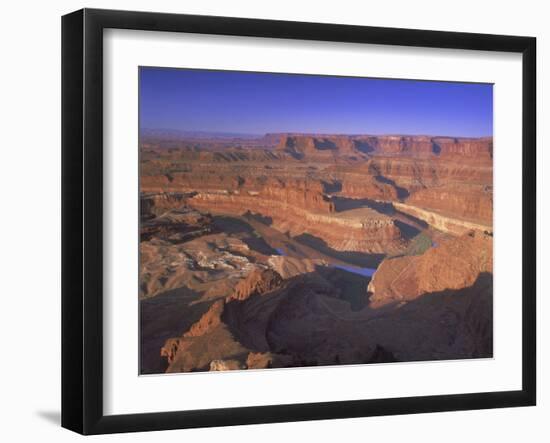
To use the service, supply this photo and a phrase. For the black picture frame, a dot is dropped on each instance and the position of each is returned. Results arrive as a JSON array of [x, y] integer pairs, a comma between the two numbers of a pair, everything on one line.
[[82, 218]]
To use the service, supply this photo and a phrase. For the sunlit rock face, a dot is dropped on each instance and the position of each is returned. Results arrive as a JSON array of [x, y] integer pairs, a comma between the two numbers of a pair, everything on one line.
[[454, 264], [314, 249]]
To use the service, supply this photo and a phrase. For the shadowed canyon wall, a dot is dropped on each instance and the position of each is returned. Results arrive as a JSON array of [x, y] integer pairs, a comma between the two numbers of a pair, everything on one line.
[[307, 249]]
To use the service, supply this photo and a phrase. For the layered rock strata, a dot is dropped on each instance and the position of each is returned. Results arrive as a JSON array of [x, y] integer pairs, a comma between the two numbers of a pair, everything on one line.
[[362, 230], [259, 254], [466, 202], [442, 222]]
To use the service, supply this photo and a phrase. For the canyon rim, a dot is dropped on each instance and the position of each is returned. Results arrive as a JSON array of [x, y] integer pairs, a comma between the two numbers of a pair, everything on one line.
[[292, 220]]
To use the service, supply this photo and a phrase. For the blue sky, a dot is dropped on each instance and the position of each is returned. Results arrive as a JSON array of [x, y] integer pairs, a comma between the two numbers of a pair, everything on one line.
[[258, 103]]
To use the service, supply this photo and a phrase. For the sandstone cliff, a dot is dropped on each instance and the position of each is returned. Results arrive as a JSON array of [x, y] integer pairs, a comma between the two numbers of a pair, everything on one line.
[[444, 223], [453, 264], [304, 145], [311, 147], [362, 230], [257, 282], [466, 202], [260, 256]]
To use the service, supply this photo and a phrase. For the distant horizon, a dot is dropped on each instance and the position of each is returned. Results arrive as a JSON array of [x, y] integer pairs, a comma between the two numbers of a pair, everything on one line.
[[255, 104], [229, 134]]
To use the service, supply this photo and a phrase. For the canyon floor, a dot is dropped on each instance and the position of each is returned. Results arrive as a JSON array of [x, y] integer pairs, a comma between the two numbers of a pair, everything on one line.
[[293, 250]]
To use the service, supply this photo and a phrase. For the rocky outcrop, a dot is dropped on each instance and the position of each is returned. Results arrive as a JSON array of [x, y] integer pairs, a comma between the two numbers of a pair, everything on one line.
[[210, 320], [427, 307], [465, 202], [390, 144], [176, 225], [225, 365], [362, 230], [311, 146], [259, 360], [367, 186], [208, 345], [265, 360], [444, 223], [318, 147], [412, 173], [152, 205], [184, 353], [170, 349], [270, 195], [453, 264], [429, 146], [288, 267], [255, 256], [215, 260], [257, 282], [479, 148]]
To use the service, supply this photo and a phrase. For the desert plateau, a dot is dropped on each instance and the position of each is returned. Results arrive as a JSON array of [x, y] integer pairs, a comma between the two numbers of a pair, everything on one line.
[[295, 220], [296, 250]]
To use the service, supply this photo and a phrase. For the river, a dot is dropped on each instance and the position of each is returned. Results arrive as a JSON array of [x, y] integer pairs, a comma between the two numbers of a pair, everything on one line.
[[364, 272]]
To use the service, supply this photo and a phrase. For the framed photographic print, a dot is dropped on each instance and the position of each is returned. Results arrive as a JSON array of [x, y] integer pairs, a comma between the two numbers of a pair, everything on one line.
[[269, 221]]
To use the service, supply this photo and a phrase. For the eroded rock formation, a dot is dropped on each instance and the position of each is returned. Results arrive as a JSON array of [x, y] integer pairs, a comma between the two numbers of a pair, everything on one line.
[[257, 282], [453, 264], [312, 249], [450, 224]]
